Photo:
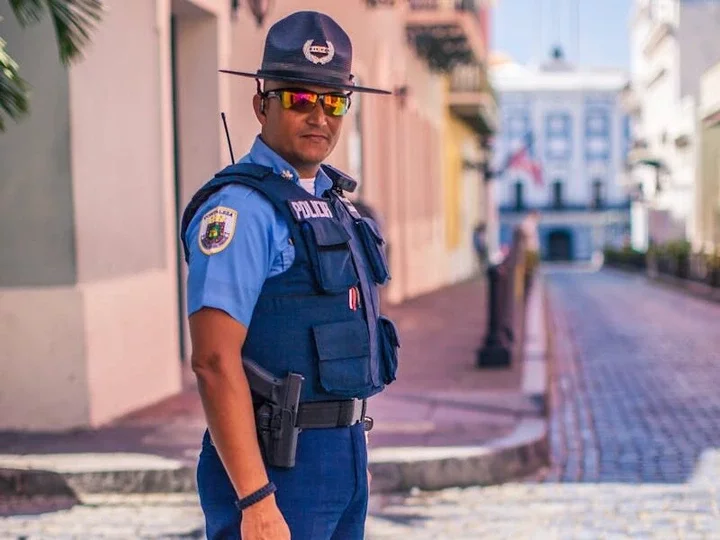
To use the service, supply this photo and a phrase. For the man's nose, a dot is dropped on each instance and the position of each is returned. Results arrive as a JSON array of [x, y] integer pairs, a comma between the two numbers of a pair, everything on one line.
[[317, 117]]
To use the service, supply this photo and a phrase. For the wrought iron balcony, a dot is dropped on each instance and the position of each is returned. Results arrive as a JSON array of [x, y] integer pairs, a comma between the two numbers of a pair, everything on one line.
[[630, 100], [567, 207], [472, 98], [663, 24], [639, 151], [447, 32]]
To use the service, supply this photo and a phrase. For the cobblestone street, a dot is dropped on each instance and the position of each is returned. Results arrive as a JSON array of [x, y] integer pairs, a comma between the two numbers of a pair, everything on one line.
[[641, 401], [126, 517], [635, 434], [553, 512], [635, 428]]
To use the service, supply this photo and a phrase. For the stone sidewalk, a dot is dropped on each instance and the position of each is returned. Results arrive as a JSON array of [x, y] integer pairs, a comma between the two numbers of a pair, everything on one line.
[[443, 423]]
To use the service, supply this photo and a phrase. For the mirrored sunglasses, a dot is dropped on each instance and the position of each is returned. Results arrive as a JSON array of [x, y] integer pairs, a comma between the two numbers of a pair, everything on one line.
[[304, 101]]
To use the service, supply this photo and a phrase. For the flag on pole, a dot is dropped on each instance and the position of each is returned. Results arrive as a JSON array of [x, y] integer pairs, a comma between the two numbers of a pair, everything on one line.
[[522, 159]]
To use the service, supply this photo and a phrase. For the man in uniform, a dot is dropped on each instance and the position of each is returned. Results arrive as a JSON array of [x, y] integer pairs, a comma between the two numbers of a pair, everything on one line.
[[287, 339]]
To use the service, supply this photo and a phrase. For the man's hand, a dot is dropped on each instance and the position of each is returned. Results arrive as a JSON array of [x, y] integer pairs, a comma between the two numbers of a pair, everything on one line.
[[263, 521]]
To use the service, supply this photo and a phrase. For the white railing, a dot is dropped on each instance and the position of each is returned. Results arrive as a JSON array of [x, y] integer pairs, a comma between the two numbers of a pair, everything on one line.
[[468, 78], [445, 5]]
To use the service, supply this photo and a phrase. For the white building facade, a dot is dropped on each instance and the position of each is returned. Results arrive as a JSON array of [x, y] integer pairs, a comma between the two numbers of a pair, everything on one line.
[[580, 136], [673, 42]]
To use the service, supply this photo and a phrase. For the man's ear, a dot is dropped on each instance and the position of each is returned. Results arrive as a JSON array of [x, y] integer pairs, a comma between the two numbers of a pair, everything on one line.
[[259, 108]]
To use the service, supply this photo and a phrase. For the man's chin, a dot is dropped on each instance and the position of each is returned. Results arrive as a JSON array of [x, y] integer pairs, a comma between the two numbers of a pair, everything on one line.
[[313, 157]]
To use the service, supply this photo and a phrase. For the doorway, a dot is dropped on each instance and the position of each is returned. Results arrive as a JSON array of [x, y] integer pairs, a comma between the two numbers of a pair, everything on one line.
[[560, 245], [196, 137]]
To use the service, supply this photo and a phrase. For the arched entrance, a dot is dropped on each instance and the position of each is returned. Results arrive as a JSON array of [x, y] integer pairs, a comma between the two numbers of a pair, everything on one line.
[[560, 245]]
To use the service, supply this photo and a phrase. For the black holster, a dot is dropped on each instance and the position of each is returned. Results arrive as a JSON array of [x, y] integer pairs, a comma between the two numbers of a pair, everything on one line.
[[276, 403], [277, 434]]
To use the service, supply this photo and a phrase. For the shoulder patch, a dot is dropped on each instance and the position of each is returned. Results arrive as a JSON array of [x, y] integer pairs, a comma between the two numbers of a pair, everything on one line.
[[217, 229]]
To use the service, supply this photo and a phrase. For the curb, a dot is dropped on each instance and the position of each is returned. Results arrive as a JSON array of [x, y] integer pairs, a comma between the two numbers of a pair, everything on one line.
[[516, 455], [520, 454], [687, 286], [81, 474]]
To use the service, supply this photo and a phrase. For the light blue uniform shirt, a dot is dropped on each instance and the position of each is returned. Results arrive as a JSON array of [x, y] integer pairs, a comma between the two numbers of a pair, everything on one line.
[[231, 278]]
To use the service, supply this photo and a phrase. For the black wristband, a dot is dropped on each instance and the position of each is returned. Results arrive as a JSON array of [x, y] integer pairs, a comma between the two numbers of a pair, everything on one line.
[[265, 491]]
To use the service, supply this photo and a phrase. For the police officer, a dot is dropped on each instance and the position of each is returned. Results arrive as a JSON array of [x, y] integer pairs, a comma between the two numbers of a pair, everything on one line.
[[283, 275]]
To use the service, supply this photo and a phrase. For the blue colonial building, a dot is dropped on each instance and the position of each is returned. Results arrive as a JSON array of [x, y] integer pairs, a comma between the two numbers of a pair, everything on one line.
[[580, 136]]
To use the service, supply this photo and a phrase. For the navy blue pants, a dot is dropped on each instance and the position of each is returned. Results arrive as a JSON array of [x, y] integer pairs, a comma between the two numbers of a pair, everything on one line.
[[324, 497]]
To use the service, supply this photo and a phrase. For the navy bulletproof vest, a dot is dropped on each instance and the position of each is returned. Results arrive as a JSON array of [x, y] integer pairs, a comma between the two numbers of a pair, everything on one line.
[[320, 317]]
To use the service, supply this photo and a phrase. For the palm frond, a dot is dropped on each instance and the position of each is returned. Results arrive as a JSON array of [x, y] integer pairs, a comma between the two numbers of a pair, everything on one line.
[[73, 20], [28, 11], [13, 89]]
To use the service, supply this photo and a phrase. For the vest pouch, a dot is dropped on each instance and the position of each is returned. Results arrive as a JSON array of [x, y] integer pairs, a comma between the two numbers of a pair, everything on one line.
[[330, 257], [344, 358], [389, 345], [374, 245]]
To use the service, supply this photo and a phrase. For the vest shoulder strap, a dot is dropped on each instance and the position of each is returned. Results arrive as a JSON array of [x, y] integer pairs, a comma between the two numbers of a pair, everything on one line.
[[262, 179]]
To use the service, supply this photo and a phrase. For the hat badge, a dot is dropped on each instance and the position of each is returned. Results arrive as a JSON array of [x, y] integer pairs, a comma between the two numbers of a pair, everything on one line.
[[318, 54]]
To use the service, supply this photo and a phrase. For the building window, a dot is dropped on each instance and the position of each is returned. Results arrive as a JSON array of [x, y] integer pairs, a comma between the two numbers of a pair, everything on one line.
[[597, 122], [598, 193], [517, 123], [558, 136], [627, 135], [519, 196], [597, 134], [517, 126], [557, 194]]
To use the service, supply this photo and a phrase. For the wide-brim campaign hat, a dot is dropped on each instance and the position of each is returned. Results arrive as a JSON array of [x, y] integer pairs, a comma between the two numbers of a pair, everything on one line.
[[311, 48]]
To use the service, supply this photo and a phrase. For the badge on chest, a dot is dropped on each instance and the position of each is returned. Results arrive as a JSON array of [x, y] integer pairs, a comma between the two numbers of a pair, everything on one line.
[[310, 209]]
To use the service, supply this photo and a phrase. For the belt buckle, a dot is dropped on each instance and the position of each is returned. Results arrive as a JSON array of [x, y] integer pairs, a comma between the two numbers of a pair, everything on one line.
[[353, 413], [358, 411], [367, 421]]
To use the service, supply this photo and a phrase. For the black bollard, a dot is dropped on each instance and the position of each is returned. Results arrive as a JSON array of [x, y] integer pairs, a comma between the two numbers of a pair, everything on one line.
[[496, 350]]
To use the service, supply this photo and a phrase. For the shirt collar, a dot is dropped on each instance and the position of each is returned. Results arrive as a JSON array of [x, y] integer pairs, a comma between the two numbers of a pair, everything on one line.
[[262, 154]]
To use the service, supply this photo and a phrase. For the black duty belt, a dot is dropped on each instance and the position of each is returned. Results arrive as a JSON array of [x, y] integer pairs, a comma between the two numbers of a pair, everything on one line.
[[330, 414]]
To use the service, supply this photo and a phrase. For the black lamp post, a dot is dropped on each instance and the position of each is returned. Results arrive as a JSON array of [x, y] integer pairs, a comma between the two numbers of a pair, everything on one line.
[[258, 8], [659, 167]]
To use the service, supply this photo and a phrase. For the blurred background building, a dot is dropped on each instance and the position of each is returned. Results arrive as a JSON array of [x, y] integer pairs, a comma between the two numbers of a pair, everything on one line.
[[672, 44], [568, 121], [707, 201], [92, 281]]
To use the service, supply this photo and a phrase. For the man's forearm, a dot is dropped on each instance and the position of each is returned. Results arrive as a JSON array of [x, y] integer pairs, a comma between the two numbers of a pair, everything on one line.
[[227, 402]]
